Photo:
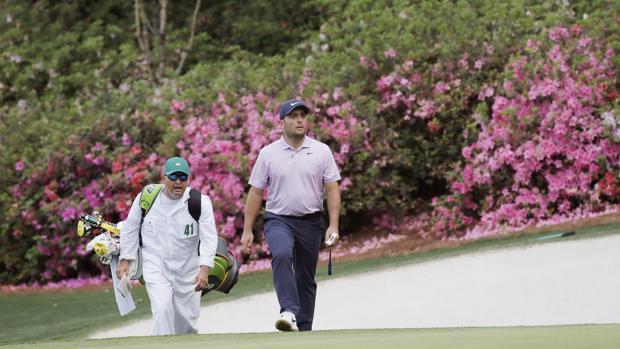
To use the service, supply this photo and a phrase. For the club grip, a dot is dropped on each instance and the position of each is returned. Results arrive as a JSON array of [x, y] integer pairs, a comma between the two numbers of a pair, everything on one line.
[[97, 222], [329, 264], [90, 220]]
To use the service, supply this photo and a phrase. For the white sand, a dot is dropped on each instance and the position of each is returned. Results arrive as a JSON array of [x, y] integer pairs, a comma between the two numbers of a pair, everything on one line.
[[564, 282]]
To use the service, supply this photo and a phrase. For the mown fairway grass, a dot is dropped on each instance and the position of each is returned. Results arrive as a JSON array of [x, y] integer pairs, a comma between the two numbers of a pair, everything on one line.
[[69, 316], [558, 337]]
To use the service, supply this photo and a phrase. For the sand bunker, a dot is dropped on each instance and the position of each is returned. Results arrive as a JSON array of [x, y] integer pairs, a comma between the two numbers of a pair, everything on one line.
[[563, 282]]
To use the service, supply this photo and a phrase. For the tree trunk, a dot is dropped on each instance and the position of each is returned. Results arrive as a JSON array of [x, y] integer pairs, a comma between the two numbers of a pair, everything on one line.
[[188, 47], [151, 37]]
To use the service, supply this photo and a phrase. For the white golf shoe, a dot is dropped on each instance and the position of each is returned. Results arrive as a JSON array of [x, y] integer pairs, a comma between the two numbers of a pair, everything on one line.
[[286, 322]]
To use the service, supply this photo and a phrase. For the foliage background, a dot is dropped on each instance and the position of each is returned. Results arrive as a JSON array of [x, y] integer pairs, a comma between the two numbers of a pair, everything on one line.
[[398, 90]]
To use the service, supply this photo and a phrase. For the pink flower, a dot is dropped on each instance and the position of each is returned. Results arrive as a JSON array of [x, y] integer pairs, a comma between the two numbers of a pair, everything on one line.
[[426, 110], [479, 63], [466, 152], [19, 166], [345, 184], [441, 87], [407, 66], [485, 92], [177, 106], [585, 42], [489, 48], [558, 34], [364, 61], [126, 139], [508, 86], [69, 213], [391, 53], [555, 54], [333, 111], [463, 62]]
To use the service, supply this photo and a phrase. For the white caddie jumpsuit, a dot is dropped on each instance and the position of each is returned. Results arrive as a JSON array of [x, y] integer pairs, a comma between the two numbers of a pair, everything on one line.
[[170, 260]]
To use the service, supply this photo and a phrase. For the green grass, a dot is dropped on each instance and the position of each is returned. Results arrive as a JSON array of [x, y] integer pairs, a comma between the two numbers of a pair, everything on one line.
[[74, 315], [551, 337]]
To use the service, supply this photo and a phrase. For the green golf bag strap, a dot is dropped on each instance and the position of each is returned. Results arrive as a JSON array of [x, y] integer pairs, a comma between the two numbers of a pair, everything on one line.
[[148, 196]]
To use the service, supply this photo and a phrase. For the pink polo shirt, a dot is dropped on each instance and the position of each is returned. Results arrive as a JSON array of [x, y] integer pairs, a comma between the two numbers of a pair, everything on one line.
[[295, 178]]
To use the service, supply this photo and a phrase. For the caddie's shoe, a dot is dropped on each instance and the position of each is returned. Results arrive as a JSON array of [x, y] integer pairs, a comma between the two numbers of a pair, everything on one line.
[[286, 322]]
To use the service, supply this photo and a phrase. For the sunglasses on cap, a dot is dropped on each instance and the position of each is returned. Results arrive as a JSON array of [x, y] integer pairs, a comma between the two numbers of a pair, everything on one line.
[[173, 177]]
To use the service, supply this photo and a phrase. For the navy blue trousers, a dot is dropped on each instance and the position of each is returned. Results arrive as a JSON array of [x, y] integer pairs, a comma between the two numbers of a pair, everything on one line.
[[294, 243]]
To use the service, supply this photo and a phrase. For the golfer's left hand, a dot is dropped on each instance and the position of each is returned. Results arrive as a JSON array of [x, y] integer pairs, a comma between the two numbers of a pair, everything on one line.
[[331, 230], [202, 279]]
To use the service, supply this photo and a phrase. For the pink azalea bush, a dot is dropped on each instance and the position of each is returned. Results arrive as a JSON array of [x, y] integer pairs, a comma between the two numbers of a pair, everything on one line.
[[425, 105], [549, 146], [499, 142], [102, 169]]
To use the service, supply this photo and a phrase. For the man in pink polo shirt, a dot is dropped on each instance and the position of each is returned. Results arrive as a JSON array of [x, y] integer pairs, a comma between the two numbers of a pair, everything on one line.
[[299, 172]]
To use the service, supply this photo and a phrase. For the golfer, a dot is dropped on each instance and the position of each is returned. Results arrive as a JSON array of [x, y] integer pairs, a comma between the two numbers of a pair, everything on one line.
[[299, 172]]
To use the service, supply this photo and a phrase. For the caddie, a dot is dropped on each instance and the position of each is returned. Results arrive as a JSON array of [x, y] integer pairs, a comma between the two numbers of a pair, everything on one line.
[[177, 251]]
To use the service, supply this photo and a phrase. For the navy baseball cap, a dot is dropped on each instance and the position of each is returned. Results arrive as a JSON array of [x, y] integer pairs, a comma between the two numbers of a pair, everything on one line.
[[290, 105]]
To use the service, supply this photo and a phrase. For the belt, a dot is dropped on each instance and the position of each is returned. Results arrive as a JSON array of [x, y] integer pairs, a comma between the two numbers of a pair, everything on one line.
[[312, 215]]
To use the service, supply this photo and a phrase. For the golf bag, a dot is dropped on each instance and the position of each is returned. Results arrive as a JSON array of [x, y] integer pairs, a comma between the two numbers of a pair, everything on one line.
[[222, 277], [107, 243], [225, 272]]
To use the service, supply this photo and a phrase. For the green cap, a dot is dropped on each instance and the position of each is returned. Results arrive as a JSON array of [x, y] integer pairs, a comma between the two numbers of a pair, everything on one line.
[[176, 164]]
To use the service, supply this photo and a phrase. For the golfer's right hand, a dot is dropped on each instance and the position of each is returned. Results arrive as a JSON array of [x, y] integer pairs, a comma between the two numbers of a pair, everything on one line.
[[246, 241], [123, 268]]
